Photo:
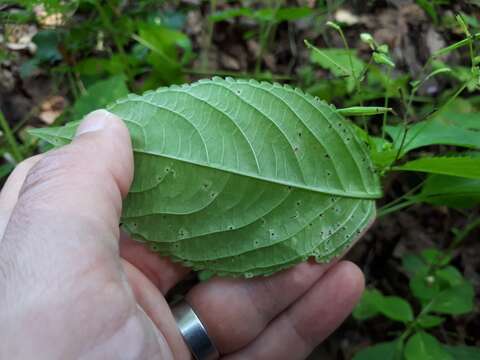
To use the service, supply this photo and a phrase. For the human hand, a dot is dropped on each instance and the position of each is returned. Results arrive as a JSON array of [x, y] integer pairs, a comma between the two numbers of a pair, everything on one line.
[[71, 286]]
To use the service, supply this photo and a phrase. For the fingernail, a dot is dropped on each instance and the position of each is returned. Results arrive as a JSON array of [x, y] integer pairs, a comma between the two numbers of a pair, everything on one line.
[[95, 121]]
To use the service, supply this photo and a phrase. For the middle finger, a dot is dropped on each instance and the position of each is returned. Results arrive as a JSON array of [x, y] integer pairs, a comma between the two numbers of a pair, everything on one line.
[[235, 311]]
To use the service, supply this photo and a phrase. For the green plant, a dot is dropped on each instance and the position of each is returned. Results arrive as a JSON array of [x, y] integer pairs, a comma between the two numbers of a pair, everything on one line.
[[440, 289]]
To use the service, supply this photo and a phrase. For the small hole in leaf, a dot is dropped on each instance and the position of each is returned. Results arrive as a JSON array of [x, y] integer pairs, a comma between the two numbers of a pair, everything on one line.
[[213, 194], [329, 173], [347, 139], [299, 134], [231, 227], [299, 203]]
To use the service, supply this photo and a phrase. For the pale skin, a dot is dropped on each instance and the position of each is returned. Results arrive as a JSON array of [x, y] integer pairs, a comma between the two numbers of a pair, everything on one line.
[[73, 287]]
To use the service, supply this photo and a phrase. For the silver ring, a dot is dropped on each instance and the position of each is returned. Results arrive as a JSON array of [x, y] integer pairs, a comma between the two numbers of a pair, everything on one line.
[[194, 332]]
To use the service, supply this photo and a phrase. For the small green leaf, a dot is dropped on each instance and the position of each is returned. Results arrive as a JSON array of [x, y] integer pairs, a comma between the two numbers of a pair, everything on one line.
[[423, 346], [382, 59], [429, 7], [393, 307], [466, 166], [99, 95], [381, 351], [429, 321], [413, 264], [452, 191], [367, 307], [337, 61], [364, 110], [230, 14], [450, 275], [283, 14], [456, 300], [424, 286], [435, 257]]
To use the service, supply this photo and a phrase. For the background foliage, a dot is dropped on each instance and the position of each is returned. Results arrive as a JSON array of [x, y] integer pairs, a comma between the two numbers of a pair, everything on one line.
[[60, 60]]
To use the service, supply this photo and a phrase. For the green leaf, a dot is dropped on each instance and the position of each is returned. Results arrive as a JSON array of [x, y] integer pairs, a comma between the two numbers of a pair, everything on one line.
[[230, 14], [450, 275], [47, 42], [450, 128], [456, 300], [337, 61], [396, 309], [452, 191], [363, 110], [99, 95], [463, 166], [381, 351], [435, 257], [423, 346], [266, 14], [367, 307], [424, 286], [463, 352], [242, 178], [429, 321], [164, 44], [429, 7], [382, 151], [413, 264], [382, 59], [283, 14], [374, 302]]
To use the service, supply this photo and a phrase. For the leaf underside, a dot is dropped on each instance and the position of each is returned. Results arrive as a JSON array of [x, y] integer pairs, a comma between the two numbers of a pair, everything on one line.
[[242, 178]]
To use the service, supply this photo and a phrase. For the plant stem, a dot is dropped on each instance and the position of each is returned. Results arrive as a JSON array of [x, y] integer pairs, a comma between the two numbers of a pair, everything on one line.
[[265, 35], [411, 326], [10, 138], [459, 237], [387, 210], [208, 40], [385, 102], [118, 44]]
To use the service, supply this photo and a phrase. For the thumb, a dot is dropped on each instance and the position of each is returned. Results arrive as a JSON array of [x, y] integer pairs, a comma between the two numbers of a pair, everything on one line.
[[69, 206]]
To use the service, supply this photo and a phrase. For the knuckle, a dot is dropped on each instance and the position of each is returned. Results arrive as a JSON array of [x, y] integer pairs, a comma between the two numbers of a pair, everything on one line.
[[51, 169]]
